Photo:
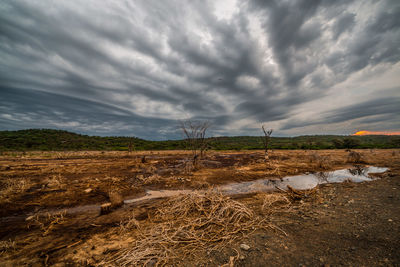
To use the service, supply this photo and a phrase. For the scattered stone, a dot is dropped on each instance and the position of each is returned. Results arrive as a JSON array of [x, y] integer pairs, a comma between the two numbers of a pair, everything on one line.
[[390, 220], [244, 247], [30, 218], [242, 257], [88, 190]]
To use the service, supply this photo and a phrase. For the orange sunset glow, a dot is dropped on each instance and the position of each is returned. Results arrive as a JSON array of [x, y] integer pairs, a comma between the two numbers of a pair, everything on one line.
[[376, 133]]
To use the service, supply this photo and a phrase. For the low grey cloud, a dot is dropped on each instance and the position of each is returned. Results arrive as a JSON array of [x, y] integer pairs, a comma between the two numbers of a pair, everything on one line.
[[138, 67], [375, 110]]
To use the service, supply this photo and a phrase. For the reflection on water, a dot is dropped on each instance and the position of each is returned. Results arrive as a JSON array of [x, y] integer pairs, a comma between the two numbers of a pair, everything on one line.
[[305, 181], [358, 170], [302, 182], [158, 194]]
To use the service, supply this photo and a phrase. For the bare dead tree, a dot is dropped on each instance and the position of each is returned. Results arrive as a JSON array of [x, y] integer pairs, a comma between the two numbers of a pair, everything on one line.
[[266, 140], [131, 146], [195, 137]]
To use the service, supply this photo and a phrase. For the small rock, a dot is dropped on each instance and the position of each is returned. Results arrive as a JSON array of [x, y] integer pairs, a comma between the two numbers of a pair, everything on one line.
[[244, 247], [242, 257], [390, 220], [88, 190], [30, 218]]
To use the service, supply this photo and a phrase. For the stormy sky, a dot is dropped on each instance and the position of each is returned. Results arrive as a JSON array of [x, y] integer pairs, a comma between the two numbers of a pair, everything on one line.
[[139, 67]]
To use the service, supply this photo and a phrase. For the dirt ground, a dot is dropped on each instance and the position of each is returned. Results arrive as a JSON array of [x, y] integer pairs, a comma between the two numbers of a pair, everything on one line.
[[339, 224]]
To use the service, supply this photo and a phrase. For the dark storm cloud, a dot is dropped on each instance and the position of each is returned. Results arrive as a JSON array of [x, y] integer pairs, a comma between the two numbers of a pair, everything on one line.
[[380, 109], [122, 67], [344, 23], [20, 107]]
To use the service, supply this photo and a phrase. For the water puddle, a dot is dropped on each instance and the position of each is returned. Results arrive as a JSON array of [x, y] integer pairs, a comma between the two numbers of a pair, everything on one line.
[[151, 194], [300, 182], [303, 182]]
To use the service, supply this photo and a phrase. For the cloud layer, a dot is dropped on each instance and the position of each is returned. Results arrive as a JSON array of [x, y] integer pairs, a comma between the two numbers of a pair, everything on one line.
[[138, 67]]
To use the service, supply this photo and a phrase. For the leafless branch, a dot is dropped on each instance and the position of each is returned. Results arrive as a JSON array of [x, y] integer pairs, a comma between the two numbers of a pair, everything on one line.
[[195, 135], [266, 140]]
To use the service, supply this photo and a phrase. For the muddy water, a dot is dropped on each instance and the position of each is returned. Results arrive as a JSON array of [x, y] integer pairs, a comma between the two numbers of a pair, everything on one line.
[[157, 194], [301, 182]]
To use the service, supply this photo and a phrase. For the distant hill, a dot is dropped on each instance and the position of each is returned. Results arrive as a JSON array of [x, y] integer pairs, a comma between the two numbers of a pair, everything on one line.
[[48, 139]]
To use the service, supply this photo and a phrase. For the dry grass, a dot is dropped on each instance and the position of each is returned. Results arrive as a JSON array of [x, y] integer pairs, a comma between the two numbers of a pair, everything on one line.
[[275, 202], [294, 194], [13, 187], [49, 222], [55, 181], [186, 226], [129, 224], [354, 157], [321, 161], [6, 246]]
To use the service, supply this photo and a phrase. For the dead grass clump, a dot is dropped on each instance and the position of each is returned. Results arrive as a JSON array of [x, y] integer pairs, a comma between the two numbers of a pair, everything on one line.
[[354, 157], [314, 157], [49, 222], [322, 162], [152, 179], [129, 224], [275, 202], [6, 246], [55, 182], [296, 195], [12, 187], [187, 225]]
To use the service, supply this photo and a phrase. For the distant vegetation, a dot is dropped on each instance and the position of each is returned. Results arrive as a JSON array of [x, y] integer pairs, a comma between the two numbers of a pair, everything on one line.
[[45, 139]]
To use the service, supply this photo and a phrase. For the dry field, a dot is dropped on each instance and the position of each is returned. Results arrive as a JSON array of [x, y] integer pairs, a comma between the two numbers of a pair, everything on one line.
[[50, 213]]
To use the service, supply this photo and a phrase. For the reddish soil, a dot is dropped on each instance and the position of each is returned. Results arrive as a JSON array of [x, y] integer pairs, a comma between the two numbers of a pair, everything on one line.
[[344, 224]]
